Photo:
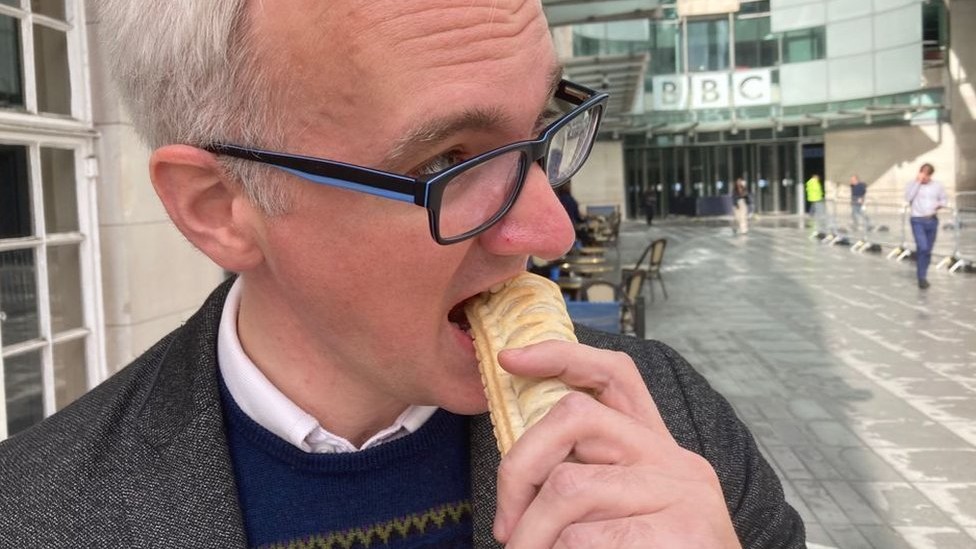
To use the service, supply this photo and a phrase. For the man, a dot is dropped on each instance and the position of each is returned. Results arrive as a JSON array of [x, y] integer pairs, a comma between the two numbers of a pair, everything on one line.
[[815, 196], [650, 204], [859, 190], [741, 202], [924, 197], [329, 396]]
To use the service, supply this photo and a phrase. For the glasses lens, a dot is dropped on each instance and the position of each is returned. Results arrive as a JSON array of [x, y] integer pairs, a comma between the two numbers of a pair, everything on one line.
[[477, 195], [571, 145]]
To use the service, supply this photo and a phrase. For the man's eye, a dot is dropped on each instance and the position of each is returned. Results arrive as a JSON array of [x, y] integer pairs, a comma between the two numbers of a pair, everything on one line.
[[437, 164]]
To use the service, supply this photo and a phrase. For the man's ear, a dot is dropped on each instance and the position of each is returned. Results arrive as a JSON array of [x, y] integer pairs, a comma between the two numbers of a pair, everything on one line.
[[210, 210]]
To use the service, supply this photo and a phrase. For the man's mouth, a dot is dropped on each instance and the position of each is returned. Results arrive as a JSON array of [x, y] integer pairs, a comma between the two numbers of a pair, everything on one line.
[[459, 318]]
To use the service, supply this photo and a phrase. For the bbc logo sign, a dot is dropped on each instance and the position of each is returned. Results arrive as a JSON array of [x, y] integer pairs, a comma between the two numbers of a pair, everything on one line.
[[712, 90]]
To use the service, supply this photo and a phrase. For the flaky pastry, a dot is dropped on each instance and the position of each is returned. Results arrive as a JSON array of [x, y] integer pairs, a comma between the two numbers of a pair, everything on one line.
[[524, 310]]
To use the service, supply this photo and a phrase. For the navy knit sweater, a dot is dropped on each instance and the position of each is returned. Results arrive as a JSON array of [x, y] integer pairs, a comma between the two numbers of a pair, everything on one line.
[[409, 493]]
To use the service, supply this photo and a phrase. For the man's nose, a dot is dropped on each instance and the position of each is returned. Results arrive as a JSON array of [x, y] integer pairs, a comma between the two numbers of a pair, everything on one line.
[[537, 224]]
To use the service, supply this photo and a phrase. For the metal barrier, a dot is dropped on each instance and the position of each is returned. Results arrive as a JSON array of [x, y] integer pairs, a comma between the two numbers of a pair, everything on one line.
[[885, 223], [881, 223], [963, 228]]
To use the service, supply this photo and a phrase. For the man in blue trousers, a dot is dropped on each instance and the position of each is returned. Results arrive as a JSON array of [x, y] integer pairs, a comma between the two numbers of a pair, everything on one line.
[[925, 197]]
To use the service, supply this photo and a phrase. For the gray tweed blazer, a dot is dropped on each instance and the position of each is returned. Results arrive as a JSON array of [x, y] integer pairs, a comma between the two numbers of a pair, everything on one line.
[[142, 460]]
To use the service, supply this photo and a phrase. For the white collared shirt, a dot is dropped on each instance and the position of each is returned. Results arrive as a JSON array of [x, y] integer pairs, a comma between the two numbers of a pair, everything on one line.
[[271, 409], [925, 199]]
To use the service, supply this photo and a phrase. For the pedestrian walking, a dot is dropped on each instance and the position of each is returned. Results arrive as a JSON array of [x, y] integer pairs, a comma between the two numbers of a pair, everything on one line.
[[650, 204], [859, 191], [924, 197], [741, 201], [815, 196]]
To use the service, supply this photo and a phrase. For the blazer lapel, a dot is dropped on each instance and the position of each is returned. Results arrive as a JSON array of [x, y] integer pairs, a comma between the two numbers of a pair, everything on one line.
[[484, 470], [180, 490]]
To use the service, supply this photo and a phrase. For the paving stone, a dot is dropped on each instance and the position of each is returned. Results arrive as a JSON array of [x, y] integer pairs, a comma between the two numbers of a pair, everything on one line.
[[847, 536], [901, 504], [907, 433], [936, 538], [788, 464], [860, 464], [833, 433], [955, 499], [807, 409], [933, 465], [816, 463], [818, 538], [853, 505], [883, 537], [819, 501]]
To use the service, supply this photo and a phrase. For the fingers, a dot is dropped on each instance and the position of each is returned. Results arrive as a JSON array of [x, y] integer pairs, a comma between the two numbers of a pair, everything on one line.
[[611, 506], [576, 493], [610, 376], [580, 429], [602, 471]]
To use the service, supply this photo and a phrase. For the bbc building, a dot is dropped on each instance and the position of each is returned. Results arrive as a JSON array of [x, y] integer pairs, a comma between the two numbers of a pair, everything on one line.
[[775, 91], [92, 272]]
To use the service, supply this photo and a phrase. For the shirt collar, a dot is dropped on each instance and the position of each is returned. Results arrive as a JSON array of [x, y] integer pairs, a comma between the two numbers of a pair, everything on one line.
[[270, 408]]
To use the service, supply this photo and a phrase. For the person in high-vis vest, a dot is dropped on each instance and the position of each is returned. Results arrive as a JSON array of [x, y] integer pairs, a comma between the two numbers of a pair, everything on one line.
[[815, 196]]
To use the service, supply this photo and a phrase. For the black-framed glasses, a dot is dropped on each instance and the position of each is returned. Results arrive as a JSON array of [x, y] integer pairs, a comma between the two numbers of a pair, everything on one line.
[[471, 196]]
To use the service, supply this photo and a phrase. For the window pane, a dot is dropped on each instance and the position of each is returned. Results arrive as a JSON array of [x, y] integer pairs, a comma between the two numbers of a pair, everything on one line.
[[18, 297], [665, 41], [50, 8], [70, 381], [11, 79], [64, 278], [60, 202], [14, 3], [24, 391], [15, 204], [804, 45], [755, 45], [51, 59], [708, 45]]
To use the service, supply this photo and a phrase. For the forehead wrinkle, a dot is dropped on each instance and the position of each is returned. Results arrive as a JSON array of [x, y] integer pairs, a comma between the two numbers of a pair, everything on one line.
[[440, 129], [447, 34]]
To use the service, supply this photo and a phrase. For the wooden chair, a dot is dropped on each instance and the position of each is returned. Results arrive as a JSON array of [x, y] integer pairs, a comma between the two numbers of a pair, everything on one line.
[[632, 320], [631, 311], [654, 254], [601, 306], [601, 290]]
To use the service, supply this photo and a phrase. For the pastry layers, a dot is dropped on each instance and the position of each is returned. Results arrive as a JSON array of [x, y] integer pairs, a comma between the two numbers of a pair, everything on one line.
[[524, 310]]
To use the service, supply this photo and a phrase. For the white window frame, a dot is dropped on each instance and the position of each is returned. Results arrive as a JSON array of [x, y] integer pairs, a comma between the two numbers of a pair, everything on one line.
[[76, 132]]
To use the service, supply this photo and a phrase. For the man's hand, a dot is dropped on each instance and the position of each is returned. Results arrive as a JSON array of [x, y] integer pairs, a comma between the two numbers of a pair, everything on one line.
[[603, 471]]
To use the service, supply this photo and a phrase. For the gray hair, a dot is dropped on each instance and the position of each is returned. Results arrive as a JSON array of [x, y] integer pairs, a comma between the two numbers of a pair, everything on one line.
[[188, 74]]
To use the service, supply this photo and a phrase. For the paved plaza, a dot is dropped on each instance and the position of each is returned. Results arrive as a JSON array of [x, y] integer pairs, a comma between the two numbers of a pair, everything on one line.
[[860, 388]]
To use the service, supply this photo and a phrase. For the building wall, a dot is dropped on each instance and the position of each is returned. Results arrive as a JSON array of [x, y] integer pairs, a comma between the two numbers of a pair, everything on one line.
[[153, 279], [886, 158], [601, 180], [961, 93]]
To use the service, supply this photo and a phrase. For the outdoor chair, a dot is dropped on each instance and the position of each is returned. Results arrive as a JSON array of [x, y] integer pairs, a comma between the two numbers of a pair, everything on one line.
[[654, 255], [632, 320], [630, 312]]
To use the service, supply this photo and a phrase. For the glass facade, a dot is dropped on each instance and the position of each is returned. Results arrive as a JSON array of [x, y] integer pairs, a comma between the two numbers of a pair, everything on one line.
[[750, 94], [837, 52]]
